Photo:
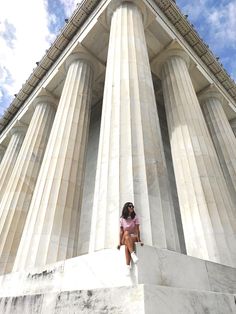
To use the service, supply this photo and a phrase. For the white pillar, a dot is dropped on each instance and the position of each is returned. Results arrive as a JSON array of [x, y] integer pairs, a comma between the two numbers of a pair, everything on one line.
[[10, 156], [2, 152], [233, 125], [17, 197], [207, 211], [222, 136], [131, 163], [51, 230]]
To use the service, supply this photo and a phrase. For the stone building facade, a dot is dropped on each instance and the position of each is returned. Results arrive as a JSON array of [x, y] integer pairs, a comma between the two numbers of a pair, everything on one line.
[[128, 104]]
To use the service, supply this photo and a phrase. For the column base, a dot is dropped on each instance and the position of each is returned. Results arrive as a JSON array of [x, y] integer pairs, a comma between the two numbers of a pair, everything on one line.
[[97, 283]]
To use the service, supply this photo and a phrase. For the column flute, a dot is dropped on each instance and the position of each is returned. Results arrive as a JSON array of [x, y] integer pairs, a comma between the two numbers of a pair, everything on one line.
[[222, 135], [10, 156], [208, 215], [51, 230], [16, 200], [131, 163]]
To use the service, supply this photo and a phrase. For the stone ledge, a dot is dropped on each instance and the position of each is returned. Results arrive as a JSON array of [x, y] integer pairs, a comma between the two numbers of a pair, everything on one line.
[[106, 268], [149, 299], [172, 269]]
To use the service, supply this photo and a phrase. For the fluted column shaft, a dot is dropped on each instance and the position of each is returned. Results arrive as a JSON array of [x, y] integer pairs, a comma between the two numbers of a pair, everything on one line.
[[2, 152], [131, 164], [16, 200], [207, 212], [10, 156], [223, 138], [51, 229], [233, 125]]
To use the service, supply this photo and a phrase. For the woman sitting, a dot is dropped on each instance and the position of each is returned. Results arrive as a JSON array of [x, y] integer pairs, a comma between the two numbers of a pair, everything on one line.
[[129, 233]]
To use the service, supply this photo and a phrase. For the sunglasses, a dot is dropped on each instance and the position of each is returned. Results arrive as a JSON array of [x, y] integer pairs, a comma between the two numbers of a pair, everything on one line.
[[131, 205]]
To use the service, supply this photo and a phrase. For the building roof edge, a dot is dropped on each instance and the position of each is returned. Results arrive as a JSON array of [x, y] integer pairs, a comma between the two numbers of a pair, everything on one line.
[[171, 11]]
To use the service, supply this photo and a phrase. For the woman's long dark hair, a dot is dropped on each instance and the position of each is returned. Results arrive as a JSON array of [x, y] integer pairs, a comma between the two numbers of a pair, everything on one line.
[[125, 212]]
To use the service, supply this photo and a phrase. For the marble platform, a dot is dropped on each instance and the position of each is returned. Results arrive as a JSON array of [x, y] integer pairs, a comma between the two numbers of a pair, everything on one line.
[[139, 299], [162, 282]]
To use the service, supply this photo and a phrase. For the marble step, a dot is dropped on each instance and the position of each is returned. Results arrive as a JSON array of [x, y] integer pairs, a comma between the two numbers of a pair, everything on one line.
[[106, 268], [148, 299]]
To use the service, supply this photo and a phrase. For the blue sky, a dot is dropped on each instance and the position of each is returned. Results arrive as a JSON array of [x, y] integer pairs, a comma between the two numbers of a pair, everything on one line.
[[24, 37], [215, 21]]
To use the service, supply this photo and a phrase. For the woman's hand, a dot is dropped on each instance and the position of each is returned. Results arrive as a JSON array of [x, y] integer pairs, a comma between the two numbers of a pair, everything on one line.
[[139, 241]]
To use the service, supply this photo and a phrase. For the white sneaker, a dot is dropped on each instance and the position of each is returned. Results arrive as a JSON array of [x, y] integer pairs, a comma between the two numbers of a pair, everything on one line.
[[127, 270], [134, 257]]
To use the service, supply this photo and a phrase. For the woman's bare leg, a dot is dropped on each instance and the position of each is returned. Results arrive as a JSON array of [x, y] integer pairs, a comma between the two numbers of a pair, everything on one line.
[[127, 256], [129, 245]]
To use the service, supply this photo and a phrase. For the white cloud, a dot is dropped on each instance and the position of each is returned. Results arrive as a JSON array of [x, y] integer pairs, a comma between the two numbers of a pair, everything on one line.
[[214, 19], [193, 9], [69, 6], [223, 24], [27, 28], [25, 44], [216, 23]]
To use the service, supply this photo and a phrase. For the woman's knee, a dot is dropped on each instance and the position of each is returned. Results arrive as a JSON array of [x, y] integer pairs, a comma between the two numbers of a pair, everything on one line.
[[127, 238], [126, 235]]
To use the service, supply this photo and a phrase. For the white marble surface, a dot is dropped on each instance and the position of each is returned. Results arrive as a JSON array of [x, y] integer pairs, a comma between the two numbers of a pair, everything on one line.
[[18, 193], [167, 300], [10, 156], [168, 268], [221, 278], [222, 135], [106, 268], [89, 181], [131, 164], [51, 229], [97, 270], [148, 299], [206, 209], [127, 300], [101, 269]]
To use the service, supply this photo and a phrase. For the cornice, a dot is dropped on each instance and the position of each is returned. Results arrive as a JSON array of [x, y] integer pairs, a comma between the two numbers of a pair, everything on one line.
[[186, 29], [67, 32], [171, 11]]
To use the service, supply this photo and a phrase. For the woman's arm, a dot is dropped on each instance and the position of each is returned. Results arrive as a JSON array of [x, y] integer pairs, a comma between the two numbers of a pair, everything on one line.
[[121, 236], [138, 233]]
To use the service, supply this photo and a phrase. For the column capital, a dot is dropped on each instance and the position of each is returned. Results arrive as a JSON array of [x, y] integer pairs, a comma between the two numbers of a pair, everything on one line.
[[19, 128], [209, 93], [114, 4], [45, 99], [172, 50], [83, 55]]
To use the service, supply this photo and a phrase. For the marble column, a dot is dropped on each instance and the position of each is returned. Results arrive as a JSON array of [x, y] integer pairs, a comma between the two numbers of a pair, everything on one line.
[[233, 125], [18, 193], [206, 208], [131, 163], [10, 156], [2, 152], [222, 136], [51, 230]]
